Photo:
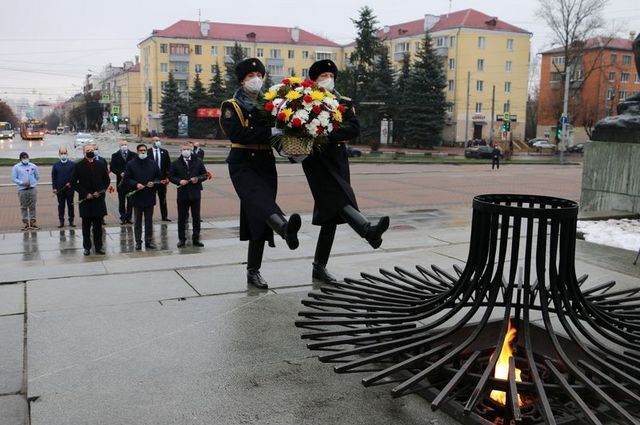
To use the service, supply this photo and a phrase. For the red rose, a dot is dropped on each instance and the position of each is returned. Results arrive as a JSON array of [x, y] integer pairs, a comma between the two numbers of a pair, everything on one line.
[[336, 125], [296, 122], [268, 106], [311, 83], [319, 130], [285, 81], [282, 116], [306, 83], [307, 99], [341, 108], [316, 109]]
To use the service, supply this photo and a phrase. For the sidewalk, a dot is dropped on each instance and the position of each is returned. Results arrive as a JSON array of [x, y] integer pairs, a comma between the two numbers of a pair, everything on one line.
[[175, 336]]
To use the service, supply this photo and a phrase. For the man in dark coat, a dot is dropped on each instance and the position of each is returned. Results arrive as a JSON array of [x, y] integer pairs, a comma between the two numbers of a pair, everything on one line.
[[252, 169], [61, 174], [198, 151], [187, 173], [91, 179], [327, 171], [119, 162], [160, 156], [496, 153], [143, 175]]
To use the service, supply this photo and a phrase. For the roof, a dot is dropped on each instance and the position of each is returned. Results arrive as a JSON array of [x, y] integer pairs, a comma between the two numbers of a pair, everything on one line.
[[467, 18], [242, 32], [134, 68], [600, 42]]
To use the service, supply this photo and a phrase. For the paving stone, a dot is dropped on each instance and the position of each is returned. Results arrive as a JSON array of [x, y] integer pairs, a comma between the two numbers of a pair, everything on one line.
[[11, 299], [11, 353], [13, 409]]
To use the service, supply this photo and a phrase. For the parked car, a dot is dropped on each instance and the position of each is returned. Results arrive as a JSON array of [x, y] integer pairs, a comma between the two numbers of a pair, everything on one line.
[[535, 140], [577, 148], [82, 139], [352, 152], [478, 152], [60, 129], [543, 144]]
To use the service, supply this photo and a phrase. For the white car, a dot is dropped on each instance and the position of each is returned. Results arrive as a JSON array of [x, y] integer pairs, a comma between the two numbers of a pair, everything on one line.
[[543, 144], [82, 139]]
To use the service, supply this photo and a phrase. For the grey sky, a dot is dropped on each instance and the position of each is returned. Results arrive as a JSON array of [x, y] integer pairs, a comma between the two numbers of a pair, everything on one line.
[[46, 47]]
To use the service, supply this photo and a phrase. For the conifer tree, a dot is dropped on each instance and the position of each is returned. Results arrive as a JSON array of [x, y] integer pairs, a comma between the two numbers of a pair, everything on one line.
[[231, 81], [171, 105], [198, 127], [399, 94], [424, 103], [216, 94]]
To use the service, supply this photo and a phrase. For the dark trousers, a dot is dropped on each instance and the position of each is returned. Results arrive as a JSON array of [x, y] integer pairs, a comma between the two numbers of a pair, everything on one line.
[[495, 162], [65, 199], [183, 213], [125, 207], [148, 224], [96, 224], [325, 242], [162, 197], [254, 255]]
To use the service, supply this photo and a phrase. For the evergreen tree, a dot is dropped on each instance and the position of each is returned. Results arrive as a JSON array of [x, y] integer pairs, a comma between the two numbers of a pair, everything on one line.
[[198, 127], [216, 94], [425, 102], [172, 105], [381, 87], [7, 114], [231, 81], [399, 94]]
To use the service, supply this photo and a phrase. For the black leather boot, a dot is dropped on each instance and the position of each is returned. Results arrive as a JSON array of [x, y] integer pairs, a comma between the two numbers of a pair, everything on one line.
[[321, 258], [362, 226], [288, 230], [254, 262], [321, 273], [255, 278]]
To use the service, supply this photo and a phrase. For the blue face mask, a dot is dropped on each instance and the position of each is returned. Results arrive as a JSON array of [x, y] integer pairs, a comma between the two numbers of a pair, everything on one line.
[[157, 144], [25, 161]]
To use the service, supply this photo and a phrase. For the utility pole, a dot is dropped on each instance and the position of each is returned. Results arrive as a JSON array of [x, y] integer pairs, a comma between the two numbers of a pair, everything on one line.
[[565, 112], [466, 120], [493, 107]]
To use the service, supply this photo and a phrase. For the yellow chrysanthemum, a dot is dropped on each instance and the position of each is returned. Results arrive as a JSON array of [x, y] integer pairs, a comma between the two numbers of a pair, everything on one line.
[[337, 116], [270, 95], [287, 112], [329, 94], [295, 80], [317, 95], [293, 95]]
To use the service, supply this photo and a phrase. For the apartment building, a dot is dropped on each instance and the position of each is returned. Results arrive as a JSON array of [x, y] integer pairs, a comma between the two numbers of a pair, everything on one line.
[[125, 92]]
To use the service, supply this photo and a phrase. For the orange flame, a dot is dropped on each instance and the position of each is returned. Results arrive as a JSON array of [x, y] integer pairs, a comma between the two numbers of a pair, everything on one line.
[[502, 367]]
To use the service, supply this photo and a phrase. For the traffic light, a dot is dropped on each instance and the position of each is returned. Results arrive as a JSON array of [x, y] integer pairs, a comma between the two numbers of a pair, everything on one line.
[[506, 126], [559, 132], [115, 119]]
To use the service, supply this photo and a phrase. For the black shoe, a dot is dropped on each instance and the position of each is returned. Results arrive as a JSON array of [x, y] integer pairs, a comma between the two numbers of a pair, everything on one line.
[[129, 221], [71, 224], [166, 219], [288, 230], [254, 278], [100, 251], [374, 233], [149, 245], [61, 225], [198, 244], [180, 244], [86, 252], [123, 222], [138, 246], [320, 273]]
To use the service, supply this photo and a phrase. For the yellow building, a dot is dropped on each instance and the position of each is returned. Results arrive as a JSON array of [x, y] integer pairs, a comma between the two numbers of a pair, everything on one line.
[[123, 86], [479, 52], [189, 47]]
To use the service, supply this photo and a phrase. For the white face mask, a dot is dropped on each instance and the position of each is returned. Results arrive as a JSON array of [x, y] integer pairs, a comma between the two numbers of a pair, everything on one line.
[[253, 85], [327, 84], [124, 148], [186, 153], [142, 155], [63, 157]]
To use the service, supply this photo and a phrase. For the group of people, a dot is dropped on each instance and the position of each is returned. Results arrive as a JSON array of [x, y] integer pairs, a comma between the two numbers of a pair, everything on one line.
[[140, 177]]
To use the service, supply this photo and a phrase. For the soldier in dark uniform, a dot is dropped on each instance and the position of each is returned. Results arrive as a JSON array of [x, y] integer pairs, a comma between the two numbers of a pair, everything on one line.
[[119, 162], [327, 171], [252, 169]]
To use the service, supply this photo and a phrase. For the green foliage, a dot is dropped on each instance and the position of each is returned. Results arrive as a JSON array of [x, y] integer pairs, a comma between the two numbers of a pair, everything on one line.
[[399, 94], [231, 82], [53, 120], [424, 101], [172, 105], [7, 114], [198, 98], [217, 94], [367, 45]]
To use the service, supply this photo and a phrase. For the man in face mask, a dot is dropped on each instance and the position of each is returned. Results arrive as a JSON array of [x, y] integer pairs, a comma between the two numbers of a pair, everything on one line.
[[327, 172], [26, 175], [61, 173], [253, 171], [160, 157], [119, 161], [90, 179]]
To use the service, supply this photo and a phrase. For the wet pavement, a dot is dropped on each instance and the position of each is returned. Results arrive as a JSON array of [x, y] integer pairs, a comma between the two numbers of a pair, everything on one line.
[[175, 336]]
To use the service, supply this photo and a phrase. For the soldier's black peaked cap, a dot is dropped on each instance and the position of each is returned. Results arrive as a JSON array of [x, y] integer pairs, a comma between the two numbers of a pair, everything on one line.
[[247, 66], [322, 66]]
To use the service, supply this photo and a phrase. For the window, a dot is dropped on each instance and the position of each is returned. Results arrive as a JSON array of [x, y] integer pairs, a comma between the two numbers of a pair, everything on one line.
[[509, 44], [506, 107], [276, 70], [452, 63], [401, 47], [275, 54], [480, 64], [637, 78], [612, 76], [228, 51], [481, 42], [626, 60], [179, 49], [479, 85], [622, 95], [305, 54], [452, 41], [610, 94], [449, 108], [213, 69], [260, 52], [305, 72], [441, 41], [181, 67], [323, 55], [507, 86], [417, 46], [163, 85], [291, 71], [451, 85], [198, 68], [614, 58], [164, 67], [555, 76], [291, 54], [478, 107], [508, 66], [557, 60], [578, 74], [624, 77], [163, 48], [214, 50], [198, 49], [246, 51]]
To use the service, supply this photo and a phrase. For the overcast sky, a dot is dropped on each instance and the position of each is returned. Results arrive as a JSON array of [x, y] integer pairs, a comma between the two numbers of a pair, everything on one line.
[[47, 47]]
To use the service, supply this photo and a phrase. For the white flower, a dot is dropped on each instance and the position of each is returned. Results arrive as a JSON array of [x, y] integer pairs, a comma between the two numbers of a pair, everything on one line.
[[302, 114], [276, 87]]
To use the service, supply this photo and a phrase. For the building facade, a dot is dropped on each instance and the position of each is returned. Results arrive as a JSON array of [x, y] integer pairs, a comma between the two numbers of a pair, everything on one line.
[[125, 97], [604, 74], [479, 52], [187, 48]]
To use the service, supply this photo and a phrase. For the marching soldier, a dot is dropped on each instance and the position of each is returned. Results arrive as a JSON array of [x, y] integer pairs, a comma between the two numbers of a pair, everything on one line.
[[327, 171], [252, 169]]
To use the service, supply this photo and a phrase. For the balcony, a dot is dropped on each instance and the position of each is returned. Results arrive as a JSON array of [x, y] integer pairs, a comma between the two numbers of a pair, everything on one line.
[[274, 62], [181, 75], [399, 56], [441, 51], [174, 57]]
